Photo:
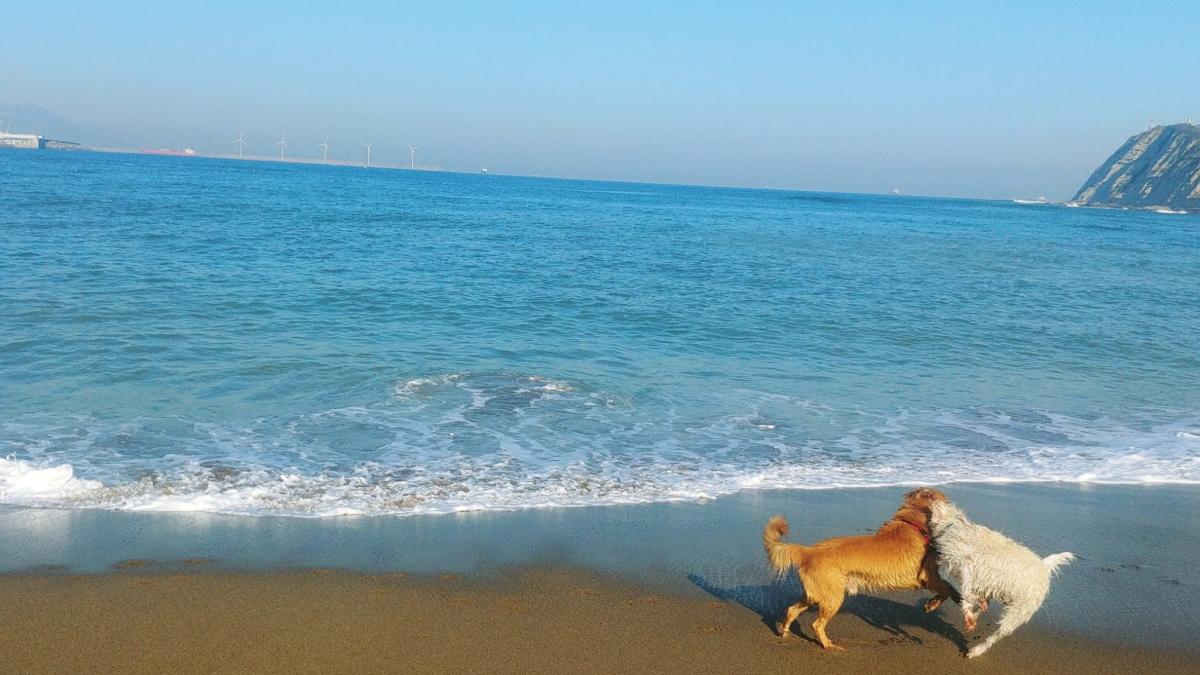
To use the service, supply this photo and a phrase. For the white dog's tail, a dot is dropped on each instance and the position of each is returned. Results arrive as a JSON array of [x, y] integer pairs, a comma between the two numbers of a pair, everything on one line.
[[1057, 560]]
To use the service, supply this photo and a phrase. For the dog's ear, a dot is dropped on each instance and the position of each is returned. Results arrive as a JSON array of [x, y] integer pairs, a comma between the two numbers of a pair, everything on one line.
[[932, 495], [921, 498]]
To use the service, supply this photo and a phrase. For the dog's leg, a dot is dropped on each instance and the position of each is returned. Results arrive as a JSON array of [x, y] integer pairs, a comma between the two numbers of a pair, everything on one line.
[[969, 601], [825, 611], [1014, 617], [793, 612], [933, 581]]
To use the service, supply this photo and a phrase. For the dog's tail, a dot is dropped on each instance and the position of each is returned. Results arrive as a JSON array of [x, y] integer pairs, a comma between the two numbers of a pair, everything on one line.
[[1057, 560], [781, 555]]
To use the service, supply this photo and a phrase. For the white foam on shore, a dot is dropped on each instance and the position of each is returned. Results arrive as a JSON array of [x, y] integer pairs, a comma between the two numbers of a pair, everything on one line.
[[23, 482], [378, 491], [477, 442]]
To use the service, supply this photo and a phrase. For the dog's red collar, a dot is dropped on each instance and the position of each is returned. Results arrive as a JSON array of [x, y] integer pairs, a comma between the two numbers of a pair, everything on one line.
[[920, 530]]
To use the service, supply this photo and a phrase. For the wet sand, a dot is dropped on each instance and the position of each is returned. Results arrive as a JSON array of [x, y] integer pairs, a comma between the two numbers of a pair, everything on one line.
[[530, 620], [665, 587]]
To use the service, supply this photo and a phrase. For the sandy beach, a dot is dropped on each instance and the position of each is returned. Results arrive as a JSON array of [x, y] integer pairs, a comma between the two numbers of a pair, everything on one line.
[[662, 587], [530, 620]]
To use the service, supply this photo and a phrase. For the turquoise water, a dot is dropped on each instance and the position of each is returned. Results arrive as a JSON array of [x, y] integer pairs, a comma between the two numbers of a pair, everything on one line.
[[261, 338]]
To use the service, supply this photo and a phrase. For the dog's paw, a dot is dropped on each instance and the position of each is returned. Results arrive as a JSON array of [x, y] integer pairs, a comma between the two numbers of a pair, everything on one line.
[[932, 604], [834, 648], [983, 605], [976, 651], [781, 631], [969, 623]]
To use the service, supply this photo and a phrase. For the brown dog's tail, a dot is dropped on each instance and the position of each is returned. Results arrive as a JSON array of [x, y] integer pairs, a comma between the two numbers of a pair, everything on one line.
[[781, 555]]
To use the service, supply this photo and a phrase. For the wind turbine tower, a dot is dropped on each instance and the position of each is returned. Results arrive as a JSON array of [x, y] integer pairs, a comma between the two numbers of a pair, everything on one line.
[[325, 146], [241, 143], [282, 144], [368, 147], [412, 155]]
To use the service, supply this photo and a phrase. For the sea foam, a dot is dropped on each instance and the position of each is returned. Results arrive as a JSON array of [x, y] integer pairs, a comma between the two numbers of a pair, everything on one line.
[[494, 441], [22, 482]]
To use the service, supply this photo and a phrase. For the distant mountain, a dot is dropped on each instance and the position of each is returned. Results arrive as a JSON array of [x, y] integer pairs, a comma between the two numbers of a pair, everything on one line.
[[31, 119], [1157, 168]]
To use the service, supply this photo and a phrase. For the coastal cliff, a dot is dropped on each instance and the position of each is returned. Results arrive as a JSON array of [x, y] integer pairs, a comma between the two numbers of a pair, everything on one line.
[[1159, 168]]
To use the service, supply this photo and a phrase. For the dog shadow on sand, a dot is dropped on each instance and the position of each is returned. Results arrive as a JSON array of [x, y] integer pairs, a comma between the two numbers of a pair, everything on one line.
[[897, 619]]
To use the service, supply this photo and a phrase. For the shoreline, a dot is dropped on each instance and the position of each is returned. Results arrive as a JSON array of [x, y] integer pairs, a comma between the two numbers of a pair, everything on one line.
[[542, 619], [1134, 586]]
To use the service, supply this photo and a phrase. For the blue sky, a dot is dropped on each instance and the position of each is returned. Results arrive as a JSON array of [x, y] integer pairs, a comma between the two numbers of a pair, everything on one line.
[[949, 99]]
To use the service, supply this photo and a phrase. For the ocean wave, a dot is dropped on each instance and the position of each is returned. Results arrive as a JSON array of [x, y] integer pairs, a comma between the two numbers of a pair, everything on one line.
[[500, 441], [22, 482], [378, 490]]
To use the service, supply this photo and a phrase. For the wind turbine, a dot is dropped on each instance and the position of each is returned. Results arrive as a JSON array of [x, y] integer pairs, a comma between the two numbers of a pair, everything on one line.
[[241, 143], [282, 144], [325, 145], [412, 155], [368, 147]]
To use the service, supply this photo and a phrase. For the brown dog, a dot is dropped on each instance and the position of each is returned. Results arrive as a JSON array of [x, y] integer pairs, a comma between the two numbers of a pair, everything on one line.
[[896, 557]]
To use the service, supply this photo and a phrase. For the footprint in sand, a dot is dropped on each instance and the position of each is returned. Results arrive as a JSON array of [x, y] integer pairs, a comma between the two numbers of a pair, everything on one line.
[[901, 640]]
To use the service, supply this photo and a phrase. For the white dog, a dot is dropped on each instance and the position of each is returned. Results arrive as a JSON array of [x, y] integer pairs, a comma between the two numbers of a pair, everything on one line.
[[989, 565]]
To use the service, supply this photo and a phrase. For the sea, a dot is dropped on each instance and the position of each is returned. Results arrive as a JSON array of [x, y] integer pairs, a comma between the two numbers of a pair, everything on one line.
[[272, 339]]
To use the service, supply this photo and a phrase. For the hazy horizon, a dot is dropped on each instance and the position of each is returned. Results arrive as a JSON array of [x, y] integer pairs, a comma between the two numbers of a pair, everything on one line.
[[934, 100]]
